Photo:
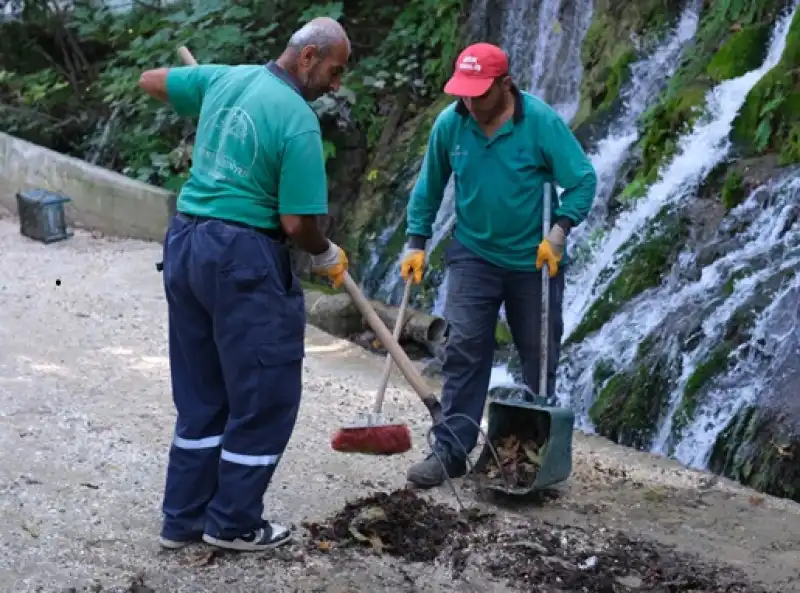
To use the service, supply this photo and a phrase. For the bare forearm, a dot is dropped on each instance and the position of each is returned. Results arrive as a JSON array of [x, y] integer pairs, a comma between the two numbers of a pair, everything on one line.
[[305, 233]]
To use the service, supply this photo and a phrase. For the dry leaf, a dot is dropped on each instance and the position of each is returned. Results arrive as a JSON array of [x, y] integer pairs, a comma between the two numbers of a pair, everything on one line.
[[357, 534], [204, 559], [323, 546], [377, 544], [532, 455], [369, 515]]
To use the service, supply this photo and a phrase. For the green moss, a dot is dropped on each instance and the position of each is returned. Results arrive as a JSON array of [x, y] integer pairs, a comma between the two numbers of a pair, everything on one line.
[[643, 269], [743, 51], [715, 364], [733, 191], [663, 125], [629, 408], [768, 120], [718, 23], [755, 450], [608, 49], [730, 283], [603, 370]]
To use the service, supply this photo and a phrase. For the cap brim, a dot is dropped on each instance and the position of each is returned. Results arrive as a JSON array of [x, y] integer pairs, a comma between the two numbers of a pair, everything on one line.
[[467, 86]]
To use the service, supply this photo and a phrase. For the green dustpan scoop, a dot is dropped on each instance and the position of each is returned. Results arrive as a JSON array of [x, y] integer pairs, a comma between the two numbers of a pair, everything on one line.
[[532, 440]]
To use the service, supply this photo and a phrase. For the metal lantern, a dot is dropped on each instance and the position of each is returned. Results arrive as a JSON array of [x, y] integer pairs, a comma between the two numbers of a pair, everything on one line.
[[41, 215]]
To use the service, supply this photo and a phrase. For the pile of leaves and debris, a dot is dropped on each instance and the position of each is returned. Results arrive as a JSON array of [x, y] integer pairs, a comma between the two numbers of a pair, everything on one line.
[[520, 461], [537, 556], [399, 523]]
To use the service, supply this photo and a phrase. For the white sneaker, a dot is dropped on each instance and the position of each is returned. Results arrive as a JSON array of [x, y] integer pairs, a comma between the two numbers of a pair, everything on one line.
[[271, 535]]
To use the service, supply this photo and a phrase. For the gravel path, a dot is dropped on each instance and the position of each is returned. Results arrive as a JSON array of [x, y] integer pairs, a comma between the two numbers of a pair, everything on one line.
[[86, 418]]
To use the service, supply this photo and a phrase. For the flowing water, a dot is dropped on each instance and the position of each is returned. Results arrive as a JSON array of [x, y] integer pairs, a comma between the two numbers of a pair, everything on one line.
[[648, 77], [768, 250], [543, 41], [699, 151]]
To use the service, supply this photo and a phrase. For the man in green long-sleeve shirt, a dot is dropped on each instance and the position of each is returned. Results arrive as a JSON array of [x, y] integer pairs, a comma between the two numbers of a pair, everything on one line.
[[502, 146]]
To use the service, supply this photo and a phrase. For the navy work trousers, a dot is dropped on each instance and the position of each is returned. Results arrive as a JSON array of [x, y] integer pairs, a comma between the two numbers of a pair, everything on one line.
[[236, 332], [475, 291]]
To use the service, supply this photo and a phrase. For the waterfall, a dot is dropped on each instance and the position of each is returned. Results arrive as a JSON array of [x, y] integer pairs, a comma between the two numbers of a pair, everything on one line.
[[648, 77], [769, 247], [543, 42], [698, 152], [772, 238]]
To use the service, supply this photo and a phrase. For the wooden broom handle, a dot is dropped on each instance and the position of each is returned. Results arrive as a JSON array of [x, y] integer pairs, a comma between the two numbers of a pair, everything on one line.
[[186, 56], [401, 359]]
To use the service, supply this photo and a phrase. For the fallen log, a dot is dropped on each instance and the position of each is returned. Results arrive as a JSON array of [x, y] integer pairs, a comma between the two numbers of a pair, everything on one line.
[[337, 315], [417, 327]]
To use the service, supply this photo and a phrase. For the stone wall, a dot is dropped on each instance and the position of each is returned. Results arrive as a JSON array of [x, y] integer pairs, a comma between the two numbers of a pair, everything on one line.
[[101, 199]]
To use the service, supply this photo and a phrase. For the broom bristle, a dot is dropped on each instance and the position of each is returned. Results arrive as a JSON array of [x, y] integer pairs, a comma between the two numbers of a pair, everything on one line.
[[389, 439]]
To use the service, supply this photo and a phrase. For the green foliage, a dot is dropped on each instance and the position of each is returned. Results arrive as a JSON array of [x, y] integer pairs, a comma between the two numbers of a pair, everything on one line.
[[71, 83], [413, 60]]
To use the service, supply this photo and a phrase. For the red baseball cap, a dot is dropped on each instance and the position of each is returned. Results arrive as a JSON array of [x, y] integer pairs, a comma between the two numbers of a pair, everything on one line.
[[476, 69]]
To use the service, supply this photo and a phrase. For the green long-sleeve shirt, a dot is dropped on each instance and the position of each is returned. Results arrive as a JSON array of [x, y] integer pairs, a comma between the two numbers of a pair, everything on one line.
[[499, 181]]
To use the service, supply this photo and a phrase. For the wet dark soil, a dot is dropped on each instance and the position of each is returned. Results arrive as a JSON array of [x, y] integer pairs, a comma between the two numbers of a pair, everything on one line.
[[540, 557], [532, 556], [400, 523]]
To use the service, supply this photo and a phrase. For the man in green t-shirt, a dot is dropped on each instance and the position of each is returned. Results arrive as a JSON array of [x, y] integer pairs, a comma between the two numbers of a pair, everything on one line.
[[236, 311], [503, 147]]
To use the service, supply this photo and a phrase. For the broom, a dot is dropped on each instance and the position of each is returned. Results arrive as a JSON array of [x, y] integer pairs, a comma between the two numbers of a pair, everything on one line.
[[378, 437]]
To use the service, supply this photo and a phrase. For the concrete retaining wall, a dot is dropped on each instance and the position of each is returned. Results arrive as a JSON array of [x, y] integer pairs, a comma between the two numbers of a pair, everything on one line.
[[101, 199]]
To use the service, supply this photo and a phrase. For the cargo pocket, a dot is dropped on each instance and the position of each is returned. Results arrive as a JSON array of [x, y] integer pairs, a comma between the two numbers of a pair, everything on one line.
[[281, 372]]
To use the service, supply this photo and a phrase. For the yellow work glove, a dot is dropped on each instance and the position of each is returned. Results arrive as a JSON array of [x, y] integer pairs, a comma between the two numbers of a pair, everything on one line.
[[551, 250], [332, 264], [413, 262]]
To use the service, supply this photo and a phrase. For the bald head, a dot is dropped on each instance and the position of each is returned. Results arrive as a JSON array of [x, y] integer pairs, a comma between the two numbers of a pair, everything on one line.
[[322, 32], [316, 55]]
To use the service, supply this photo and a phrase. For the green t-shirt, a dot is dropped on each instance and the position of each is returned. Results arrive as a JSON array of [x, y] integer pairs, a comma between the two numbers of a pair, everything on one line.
[[499, 181], [258, 148]]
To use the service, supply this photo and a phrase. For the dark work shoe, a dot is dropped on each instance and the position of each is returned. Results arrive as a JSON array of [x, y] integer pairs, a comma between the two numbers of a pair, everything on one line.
[[430, 473], [271, 535]]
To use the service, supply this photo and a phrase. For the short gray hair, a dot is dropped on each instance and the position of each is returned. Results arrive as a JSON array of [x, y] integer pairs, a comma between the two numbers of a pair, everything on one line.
[[323, 32]]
